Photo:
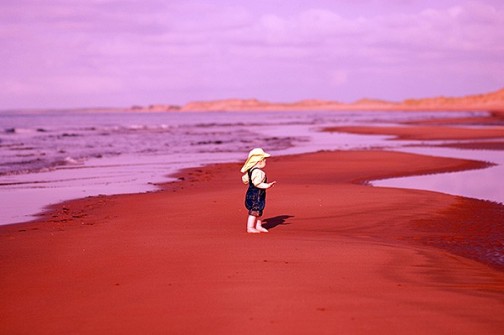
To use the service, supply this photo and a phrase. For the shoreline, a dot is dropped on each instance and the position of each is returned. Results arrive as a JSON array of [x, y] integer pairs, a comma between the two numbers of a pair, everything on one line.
[[482, 138], [179, 259], [71, 181]]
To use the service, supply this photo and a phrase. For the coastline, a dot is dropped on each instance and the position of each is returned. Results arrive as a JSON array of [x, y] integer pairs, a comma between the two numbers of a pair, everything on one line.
[[85, 162], [340, 256]]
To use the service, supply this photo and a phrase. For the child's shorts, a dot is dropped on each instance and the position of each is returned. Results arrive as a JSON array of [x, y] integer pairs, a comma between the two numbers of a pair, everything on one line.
[[255, 213], [255, 201]]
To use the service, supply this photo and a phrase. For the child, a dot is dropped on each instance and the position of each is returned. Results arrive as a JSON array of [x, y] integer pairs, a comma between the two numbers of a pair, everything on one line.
[[255, 199]]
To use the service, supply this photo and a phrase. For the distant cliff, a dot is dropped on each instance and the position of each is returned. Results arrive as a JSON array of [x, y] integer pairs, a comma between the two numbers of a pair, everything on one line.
[[478, 101], [490, 101]]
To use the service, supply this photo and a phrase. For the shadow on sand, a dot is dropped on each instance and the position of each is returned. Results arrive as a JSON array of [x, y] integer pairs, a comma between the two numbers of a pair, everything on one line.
[[272, 222]]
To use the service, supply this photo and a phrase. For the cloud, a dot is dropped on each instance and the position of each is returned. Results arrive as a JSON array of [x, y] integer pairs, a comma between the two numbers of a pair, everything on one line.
[[62, 85], [218, 47], [338, 77], [470, 27]]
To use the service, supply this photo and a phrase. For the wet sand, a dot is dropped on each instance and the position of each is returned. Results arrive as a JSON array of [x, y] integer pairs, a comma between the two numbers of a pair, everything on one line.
[[426, 132], [489, 128], [340, 257]]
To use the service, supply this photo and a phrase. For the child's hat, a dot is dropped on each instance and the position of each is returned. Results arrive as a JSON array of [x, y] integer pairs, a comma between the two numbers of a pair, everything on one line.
[[255, 155]]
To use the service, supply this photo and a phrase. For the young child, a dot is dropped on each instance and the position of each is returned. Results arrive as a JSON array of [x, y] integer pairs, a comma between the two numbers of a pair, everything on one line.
[[255, 198]]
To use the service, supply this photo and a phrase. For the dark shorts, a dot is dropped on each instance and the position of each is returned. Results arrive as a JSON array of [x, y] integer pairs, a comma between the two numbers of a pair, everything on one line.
[[255, 201]]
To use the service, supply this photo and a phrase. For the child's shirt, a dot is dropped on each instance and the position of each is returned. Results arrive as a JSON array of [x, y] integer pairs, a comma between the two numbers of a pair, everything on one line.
[[258, 176]]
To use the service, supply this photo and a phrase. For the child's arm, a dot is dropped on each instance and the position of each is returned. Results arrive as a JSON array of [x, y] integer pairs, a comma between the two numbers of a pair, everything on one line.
[[266, 185], [258, 177]]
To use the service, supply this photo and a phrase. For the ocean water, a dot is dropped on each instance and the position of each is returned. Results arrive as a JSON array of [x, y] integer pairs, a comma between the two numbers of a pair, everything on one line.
[[52, 156], [479, 184]]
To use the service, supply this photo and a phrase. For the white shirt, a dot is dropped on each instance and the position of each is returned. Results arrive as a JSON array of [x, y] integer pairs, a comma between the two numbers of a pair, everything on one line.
[[258, 176]]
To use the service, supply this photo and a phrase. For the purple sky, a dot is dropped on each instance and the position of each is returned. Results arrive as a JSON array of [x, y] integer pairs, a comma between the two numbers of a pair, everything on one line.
[[62, 53]]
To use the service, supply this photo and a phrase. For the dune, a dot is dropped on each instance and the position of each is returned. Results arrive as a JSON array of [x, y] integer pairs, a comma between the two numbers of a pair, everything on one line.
[[490, 101]]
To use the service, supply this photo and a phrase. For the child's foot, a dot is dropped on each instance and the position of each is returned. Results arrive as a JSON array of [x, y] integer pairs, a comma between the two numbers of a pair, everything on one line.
[[262, 229], [252, 230]]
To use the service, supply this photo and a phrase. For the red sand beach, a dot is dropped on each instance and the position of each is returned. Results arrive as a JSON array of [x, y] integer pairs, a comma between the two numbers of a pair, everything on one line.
[[341, 257]]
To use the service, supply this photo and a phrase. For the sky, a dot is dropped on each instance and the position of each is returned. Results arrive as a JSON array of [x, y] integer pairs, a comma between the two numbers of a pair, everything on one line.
[[111, 53]]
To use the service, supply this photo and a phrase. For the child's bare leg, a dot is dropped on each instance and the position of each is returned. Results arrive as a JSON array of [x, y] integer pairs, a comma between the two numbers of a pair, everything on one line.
[[251, 222], [259, 226]]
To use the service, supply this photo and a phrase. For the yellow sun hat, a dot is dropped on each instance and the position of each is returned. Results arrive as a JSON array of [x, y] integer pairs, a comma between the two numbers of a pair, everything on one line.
[[255, 155]]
